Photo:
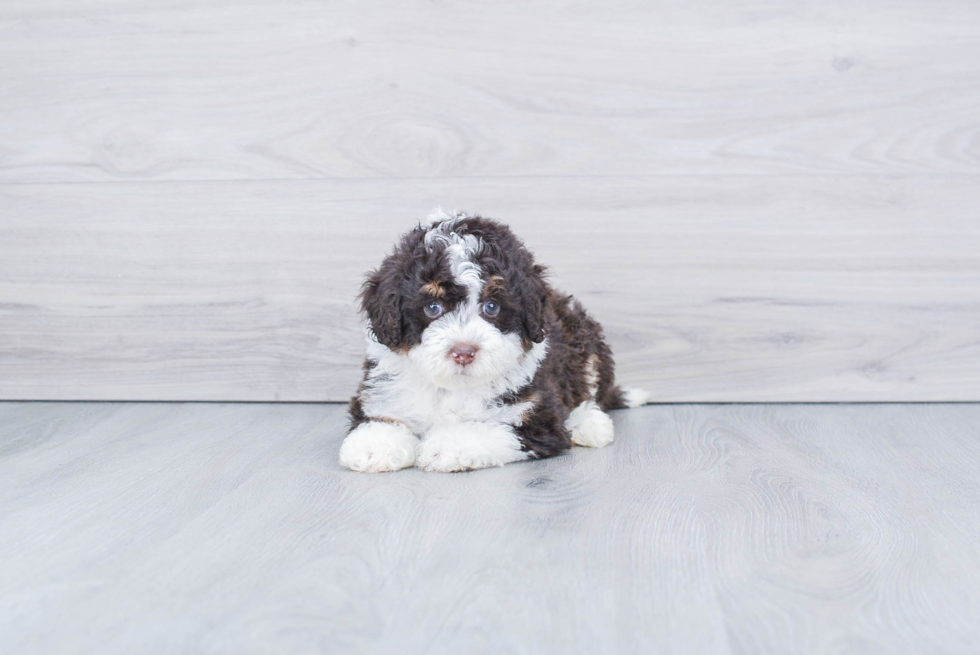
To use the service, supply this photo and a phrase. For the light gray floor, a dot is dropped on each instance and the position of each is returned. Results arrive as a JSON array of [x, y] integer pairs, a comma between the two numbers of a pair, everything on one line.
[[204, 528]]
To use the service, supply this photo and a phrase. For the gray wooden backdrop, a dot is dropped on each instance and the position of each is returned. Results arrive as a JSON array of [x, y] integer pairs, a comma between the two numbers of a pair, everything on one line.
[[761, 202]]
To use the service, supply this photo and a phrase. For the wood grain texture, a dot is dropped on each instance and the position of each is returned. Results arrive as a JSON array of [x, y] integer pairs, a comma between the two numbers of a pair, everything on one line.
[[783, 529], [165, 89], [710, 288], [761, 202]]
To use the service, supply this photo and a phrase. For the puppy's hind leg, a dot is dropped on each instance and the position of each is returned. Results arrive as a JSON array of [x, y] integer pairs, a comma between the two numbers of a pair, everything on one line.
[[590, 426]]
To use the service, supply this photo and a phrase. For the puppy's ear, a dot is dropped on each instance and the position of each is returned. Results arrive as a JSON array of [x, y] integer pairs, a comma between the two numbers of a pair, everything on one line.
[[382, 303], [534, 304]]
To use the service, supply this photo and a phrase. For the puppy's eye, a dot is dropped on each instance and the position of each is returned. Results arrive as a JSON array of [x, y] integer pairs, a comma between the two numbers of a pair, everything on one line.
[[433, 309], [491, 308]]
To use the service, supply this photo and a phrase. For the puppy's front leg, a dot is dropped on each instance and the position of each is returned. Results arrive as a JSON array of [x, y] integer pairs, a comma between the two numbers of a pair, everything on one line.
[[467, 445], [378, 445]]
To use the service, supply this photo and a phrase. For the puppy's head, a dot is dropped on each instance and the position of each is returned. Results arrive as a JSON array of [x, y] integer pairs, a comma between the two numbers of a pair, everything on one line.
[[462, 298]]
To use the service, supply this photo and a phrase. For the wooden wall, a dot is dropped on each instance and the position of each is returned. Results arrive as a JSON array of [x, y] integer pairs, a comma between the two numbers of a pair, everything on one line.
[[775, 202]]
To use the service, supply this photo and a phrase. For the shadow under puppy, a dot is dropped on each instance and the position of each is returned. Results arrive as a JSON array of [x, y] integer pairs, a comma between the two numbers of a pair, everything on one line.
[[473, 360]]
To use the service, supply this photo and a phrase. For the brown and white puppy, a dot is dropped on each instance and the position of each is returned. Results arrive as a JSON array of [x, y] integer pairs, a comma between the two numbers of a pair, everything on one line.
[[473, 360]]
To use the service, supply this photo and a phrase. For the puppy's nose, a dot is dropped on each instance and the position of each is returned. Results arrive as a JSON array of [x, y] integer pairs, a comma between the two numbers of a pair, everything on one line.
[[463, 353]]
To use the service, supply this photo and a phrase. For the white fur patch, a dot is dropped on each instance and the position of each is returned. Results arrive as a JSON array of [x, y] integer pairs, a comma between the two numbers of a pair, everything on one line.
[[635, 397], [468, 445], [438, 215], [589, 425], [374, 447], [420, 388], [458, 249], [498, 353]]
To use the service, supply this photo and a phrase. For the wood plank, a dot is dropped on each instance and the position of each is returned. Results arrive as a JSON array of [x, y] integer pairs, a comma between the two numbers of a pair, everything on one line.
[[170, 90], [704, 529], [714, 289]]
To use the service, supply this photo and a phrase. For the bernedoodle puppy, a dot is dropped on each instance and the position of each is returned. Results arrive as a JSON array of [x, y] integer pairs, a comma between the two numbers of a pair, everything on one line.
[[473, 360]]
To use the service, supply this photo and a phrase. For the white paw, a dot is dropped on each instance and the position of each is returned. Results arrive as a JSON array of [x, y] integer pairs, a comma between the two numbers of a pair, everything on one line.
[[375, 446], [468, 445], [590, 426], [635, 397]]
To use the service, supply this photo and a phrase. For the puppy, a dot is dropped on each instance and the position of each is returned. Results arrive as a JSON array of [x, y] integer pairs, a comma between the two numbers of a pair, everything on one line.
[[473, 360]]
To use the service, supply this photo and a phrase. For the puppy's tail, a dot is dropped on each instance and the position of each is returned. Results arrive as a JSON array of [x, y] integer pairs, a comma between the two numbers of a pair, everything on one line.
[[635, 397], [620, 398]]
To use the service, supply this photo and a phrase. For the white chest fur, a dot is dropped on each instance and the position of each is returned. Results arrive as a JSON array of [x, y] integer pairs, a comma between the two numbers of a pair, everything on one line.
[[396, 389]]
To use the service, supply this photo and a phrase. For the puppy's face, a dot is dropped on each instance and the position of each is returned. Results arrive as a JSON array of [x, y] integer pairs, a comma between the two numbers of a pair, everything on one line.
[[461, 298]]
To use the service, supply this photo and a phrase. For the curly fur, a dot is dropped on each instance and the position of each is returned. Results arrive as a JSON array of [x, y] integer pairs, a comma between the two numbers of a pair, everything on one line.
[[542, 377]]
